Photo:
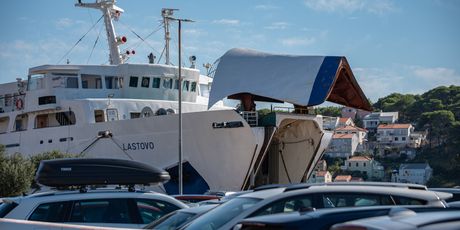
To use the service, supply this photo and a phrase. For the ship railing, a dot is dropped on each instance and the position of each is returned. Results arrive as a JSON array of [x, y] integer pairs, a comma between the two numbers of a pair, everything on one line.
[[251, 117]]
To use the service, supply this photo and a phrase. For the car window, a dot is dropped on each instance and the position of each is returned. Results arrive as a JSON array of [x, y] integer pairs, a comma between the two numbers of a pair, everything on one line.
[[51, 212], [292, 204], [408, 201], [6, 207], [223, 213], [171, 221], [151, 210], [101, 211], [354, 199]]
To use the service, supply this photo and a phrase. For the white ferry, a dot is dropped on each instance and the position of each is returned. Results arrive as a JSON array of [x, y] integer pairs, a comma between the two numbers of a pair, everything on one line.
[[126, 110]]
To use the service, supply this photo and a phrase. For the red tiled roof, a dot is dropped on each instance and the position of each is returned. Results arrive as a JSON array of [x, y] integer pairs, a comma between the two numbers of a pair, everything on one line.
[[343, 135], [343, 119], [359, 158], [351, 128], [359, 179], [394, 126], [342, 178]]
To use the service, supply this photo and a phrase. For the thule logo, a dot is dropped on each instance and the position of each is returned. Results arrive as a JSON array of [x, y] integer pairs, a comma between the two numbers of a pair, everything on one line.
[[66, 169]]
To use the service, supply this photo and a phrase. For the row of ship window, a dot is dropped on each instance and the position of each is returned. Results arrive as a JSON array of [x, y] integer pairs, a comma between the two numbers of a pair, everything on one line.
[[112, 82]]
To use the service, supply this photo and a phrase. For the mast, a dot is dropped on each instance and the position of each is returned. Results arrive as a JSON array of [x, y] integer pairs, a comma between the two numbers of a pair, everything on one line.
[[109, 11], [167, 13]]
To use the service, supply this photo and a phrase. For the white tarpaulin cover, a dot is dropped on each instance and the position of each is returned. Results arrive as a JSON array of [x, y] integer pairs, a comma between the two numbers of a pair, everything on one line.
[[300, 80]]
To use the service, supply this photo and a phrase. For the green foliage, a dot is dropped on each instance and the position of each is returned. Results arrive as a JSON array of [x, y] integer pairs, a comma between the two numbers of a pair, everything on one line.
[[15, 174], [330, 111]]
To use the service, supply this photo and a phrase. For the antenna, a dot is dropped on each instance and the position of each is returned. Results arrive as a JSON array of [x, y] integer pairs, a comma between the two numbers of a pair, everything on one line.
[[109, 11], [167, 13]]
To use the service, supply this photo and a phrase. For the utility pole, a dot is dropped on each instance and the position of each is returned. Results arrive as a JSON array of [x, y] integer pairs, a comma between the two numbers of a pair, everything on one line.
[[180, 101]]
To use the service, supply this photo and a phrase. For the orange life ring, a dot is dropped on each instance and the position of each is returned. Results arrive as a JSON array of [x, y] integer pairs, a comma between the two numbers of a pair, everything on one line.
[[19, 104]]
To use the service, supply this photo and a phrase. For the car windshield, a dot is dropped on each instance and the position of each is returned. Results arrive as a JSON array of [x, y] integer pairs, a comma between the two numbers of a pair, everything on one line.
[[171, 221], [223, 213]]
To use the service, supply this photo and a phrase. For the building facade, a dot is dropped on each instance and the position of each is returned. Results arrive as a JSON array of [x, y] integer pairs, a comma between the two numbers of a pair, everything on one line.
[[415, 173], [366, 165], [373, 120], [342, 145], [394, 134], [320, 177]]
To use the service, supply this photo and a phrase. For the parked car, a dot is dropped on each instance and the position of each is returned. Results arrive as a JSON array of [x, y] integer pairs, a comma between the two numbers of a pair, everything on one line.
[[179, 217], [308, 197], [99, 207], [318, 219], [406, 219]]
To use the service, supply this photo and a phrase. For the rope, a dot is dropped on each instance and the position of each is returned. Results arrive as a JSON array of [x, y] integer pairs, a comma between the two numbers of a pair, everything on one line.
[[94, 45], [79, 40], [285, 167], [142, 39]]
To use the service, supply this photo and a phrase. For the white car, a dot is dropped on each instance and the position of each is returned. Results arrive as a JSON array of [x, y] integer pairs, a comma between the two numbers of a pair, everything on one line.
[[307, 197], [99, 207]]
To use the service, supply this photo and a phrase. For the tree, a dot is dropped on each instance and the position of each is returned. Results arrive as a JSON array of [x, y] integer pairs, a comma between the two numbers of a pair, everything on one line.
[[330, 111], [15, 174], [438, 124]]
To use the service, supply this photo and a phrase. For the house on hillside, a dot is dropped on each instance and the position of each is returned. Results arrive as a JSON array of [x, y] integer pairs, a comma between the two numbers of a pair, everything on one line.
[[342, 145], [415, 173], [362, 133], [353, 113], [373, 120], [394, 134], [345, 121], [366, 165], [320, 177]]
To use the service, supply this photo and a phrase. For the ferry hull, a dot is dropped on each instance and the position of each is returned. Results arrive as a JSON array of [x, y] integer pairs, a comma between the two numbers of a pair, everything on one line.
[[221, 155]]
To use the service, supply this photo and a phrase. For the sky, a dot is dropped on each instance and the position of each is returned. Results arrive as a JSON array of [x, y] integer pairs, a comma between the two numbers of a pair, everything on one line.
[[392, 46]]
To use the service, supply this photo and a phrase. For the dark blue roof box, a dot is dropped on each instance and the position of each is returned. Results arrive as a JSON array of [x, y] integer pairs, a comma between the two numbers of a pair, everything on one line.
[[94, 171]]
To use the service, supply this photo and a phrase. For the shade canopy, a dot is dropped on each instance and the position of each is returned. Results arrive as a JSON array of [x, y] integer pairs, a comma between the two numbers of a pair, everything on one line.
[[299, 80]]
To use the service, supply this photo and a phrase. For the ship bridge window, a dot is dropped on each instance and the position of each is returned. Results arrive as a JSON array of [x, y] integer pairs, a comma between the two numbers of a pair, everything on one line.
[[91, 81], [204, 89], [20, 124], [133, 81], [47, 100], [112, 82], [193, 87], [65, 80], [167, 83], [156, 82], [99, 116], [4, 121], [185, 85], [145, 82], [36, 82]]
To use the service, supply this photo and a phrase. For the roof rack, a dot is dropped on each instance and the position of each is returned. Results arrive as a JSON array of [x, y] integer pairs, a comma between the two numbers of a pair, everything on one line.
[[65, 173], [365, 183], [270, 186]]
